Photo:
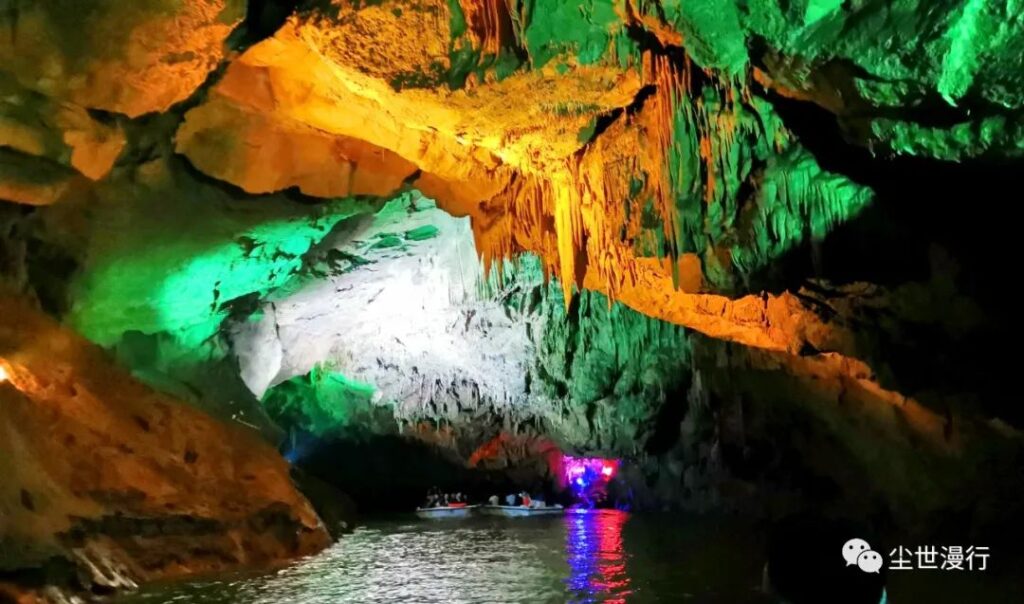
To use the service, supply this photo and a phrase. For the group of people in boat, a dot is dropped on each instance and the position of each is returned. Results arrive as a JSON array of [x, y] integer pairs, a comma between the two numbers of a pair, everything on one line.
[[522, 498], [437, 499]]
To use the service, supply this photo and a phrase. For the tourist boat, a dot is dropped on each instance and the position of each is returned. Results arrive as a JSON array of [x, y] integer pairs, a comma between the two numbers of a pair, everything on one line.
[[517, 511], [450, 511]]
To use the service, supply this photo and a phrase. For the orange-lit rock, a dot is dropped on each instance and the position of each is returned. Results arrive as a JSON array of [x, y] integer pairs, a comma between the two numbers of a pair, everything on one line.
[[300, 109], [131, 58], [490, 24], [63, 133], [773, 322], [34, 181], [94, 147], [466, 143], [396, 41], [122, 482], [263, 155], [922, 459], [626, 167], [509, 155]]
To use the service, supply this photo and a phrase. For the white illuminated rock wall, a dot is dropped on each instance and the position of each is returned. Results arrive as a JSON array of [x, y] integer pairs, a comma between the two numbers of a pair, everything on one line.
[[412, 320]]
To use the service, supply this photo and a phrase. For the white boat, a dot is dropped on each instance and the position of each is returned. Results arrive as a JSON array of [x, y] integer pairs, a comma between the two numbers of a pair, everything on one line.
[[517, 511], [461, 511]]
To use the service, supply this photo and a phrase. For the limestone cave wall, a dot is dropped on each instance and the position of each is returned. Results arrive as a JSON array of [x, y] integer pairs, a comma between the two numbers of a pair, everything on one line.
[[753, 248]]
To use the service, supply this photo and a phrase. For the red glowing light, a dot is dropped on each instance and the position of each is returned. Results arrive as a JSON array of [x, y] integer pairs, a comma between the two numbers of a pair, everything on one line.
[[588, 476]]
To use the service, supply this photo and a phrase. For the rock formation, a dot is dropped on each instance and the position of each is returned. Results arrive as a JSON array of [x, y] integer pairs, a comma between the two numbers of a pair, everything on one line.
[[749, 247], [107, 483]]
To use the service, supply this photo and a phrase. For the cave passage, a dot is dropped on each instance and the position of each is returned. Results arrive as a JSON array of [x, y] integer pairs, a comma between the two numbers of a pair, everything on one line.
[[510, 301], [398, 356]]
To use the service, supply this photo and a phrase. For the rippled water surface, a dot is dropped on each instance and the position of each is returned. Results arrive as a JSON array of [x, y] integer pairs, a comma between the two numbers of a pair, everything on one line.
[[597, 557]]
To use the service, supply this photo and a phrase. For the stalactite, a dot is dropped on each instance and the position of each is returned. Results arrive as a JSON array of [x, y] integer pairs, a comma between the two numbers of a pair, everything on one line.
[[670, 84], [491, 25]]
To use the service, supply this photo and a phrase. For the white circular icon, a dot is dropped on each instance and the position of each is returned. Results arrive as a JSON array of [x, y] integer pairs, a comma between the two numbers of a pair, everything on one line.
[[854, 548], [869, 561]]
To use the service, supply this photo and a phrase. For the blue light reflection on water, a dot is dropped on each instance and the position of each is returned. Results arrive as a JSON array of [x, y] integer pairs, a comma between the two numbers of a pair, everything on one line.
[[596, 558]]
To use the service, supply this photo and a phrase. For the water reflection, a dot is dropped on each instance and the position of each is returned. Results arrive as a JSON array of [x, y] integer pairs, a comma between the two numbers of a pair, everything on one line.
[[596, 557], [597, 562], [577, 558]]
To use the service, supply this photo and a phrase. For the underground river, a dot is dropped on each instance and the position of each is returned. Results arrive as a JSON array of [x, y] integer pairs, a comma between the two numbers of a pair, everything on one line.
[[602, 556]]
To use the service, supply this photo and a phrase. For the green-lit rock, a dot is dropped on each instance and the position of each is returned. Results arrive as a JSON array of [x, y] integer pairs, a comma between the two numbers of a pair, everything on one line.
[[175, 255]]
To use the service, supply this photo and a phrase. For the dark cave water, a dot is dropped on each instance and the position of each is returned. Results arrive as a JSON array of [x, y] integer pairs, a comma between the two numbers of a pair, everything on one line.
[[604, 556]]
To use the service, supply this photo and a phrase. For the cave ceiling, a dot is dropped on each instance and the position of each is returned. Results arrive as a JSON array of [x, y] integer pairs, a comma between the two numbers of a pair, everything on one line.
[[638, 148]]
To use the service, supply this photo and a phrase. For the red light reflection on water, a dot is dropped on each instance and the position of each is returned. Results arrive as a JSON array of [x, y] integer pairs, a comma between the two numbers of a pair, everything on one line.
[[594, 552]]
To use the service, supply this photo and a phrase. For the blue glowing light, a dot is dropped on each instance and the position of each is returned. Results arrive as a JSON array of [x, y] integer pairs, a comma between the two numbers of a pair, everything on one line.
[[300, 444], [587, 477]]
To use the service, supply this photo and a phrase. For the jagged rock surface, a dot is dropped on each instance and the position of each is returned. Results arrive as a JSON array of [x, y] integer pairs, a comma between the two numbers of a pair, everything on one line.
[[132, 58], [107, 483]]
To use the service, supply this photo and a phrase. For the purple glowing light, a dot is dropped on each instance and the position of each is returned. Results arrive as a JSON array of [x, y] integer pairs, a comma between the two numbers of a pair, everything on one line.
[[587, 477]]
